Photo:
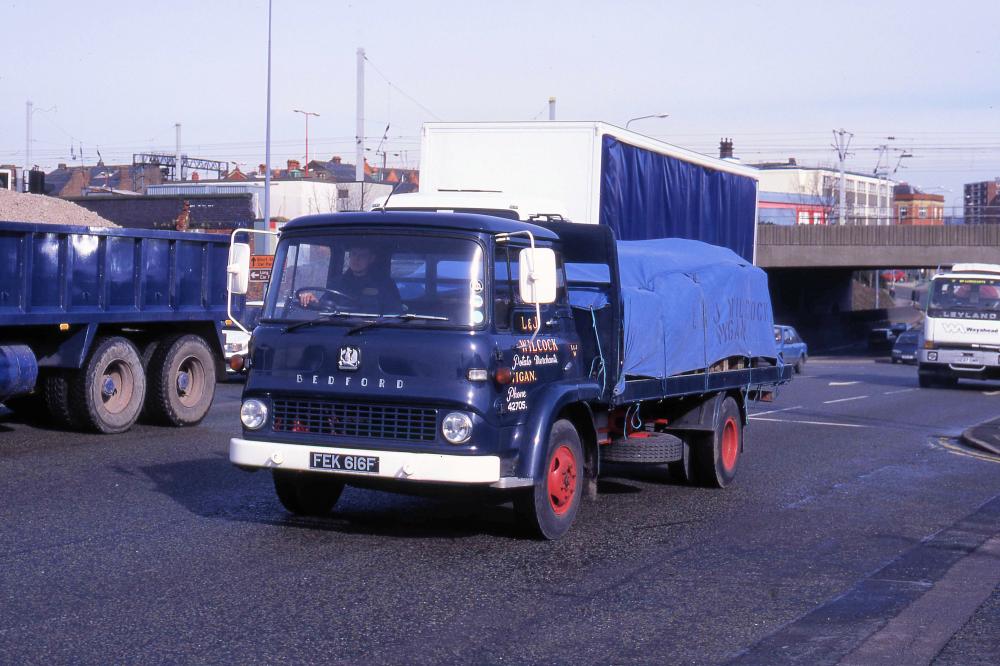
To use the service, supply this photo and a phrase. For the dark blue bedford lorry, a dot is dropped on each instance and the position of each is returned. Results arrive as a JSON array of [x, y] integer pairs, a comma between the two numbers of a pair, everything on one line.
[[100, 325], [398, 349]]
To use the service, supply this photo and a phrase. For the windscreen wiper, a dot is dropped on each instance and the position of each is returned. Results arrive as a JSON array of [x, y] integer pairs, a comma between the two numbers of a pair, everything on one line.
[[408, 316], [326, 318]]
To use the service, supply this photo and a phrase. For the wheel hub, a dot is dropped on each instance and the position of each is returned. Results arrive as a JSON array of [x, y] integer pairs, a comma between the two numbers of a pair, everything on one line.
[[108, 387], [183, 382], [561, 482]]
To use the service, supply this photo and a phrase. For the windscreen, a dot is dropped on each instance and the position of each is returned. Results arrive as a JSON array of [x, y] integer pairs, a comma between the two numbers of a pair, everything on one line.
[[434, 280], [965, 298]]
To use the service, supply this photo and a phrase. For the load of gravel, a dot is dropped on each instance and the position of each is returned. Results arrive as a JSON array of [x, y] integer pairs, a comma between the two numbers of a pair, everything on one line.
[[18, 207]]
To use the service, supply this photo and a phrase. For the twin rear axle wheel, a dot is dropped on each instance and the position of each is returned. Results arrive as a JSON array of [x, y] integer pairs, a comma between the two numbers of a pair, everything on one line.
[[171, 382]]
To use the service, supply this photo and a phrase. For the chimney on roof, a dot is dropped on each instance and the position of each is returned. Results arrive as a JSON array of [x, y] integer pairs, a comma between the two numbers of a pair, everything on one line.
[[335, 159], [791, 161], [725, 149], [62, 166]]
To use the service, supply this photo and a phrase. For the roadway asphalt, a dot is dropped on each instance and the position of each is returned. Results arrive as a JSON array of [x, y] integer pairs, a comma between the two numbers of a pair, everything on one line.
[[859, 529]]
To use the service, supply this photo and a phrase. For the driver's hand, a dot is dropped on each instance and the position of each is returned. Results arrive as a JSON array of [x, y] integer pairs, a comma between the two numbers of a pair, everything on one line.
[[307, 298]]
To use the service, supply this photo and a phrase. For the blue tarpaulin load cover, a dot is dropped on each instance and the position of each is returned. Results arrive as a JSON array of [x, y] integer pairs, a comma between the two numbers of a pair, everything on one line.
[[687, 305]]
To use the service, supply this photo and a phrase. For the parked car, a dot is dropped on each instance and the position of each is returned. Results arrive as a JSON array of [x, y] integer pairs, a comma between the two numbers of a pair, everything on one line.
[[905, 348], [792, 350], [884, 337], [897, 275]]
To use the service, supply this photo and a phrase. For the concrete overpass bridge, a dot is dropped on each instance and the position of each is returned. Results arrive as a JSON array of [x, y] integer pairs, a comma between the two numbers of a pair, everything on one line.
[[861, 248], [810, 268]]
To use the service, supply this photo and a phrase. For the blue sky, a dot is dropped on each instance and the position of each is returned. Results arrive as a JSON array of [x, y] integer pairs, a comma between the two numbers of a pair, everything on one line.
[[777, 77]]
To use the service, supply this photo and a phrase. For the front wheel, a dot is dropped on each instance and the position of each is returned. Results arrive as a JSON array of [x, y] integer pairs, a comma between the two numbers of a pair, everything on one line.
[[307, 494], [550, 506]]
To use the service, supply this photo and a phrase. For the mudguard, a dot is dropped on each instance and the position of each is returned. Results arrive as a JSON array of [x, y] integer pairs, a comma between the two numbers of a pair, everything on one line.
[[534, 433], [701, 413]]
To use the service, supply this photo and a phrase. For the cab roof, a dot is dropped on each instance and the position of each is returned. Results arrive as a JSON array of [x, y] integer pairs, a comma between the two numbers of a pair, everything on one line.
[[463, 221]]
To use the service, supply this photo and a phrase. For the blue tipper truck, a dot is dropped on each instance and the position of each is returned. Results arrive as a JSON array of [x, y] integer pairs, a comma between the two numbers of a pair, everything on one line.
[[403, 349], [100, 325]]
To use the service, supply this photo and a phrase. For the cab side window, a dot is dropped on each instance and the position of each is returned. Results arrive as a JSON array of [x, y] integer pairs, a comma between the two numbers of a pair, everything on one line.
[[505, 290]]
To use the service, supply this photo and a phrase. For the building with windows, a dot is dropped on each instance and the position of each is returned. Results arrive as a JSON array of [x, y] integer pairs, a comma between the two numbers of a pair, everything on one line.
[[982, 202], [815, 190], [915, 208]]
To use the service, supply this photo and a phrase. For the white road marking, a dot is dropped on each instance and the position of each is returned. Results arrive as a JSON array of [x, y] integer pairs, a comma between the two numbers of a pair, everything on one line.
[[899, 391], [843, 383], [857, 397], [775, 411], [991, 392], [824, 423]]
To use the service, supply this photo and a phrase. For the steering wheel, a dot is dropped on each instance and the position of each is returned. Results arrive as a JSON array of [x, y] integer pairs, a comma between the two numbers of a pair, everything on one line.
[[329, 297]]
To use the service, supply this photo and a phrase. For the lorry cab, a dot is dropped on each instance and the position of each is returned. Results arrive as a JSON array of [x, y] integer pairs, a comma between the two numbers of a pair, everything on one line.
[[424, 366]]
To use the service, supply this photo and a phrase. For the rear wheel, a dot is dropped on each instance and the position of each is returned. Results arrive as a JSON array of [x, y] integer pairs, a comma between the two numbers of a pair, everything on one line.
[[55, 394], [181, 374], [550, 506], [108, 392], [307, 494], [717, 455]]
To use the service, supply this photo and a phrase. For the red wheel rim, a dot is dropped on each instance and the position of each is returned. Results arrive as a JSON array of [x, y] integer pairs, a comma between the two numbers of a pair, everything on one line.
[[562, 480], [730, 444]]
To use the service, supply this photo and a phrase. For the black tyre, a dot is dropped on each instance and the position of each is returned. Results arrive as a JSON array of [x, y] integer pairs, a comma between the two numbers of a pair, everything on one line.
[[798, 366], [109, 391], [683, 470], [717, 455], [307, 494], [56, 396], [549, 507], [181, 374]]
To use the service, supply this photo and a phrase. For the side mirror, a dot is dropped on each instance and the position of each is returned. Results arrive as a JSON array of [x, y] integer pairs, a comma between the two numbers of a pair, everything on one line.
[[239, 268], [537, 271]]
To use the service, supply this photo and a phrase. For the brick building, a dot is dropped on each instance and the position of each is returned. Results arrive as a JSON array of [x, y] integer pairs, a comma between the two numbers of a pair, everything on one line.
[[982, 202], [916, 208]]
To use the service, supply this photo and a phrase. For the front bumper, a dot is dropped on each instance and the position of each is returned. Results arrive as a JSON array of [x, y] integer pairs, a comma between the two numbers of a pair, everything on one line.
[[402, 466], [961, 359]]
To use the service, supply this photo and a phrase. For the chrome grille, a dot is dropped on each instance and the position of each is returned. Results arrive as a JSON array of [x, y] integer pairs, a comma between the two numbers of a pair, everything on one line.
[[353, 419]]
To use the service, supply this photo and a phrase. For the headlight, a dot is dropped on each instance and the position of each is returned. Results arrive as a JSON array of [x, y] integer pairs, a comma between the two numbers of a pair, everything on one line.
[[235, 347], [456, 428], [253, 413]]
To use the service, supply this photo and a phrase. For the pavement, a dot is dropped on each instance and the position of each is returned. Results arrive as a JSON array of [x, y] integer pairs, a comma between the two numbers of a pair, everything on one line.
[[985, 436], [858, 530]]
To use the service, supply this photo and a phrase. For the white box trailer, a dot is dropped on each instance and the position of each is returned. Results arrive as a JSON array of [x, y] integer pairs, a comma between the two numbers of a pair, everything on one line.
[[587, 172]]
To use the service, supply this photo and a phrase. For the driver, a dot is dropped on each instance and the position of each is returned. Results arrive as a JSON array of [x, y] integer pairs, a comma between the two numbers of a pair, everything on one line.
[[369, 289]]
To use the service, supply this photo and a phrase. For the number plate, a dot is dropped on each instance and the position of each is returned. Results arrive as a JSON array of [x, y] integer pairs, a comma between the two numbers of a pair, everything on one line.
[[340, 462]]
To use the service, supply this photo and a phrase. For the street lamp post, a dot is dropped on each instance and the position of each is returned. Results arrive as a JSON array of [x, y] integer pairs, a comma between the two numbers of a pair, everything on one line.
[[267, 131], [306, 114], [653, 115]]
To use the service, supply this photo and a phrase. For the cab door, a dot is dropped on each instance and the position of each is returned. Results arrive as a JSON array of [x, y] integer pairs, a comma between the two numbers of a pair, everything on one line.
[[532, 362]]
